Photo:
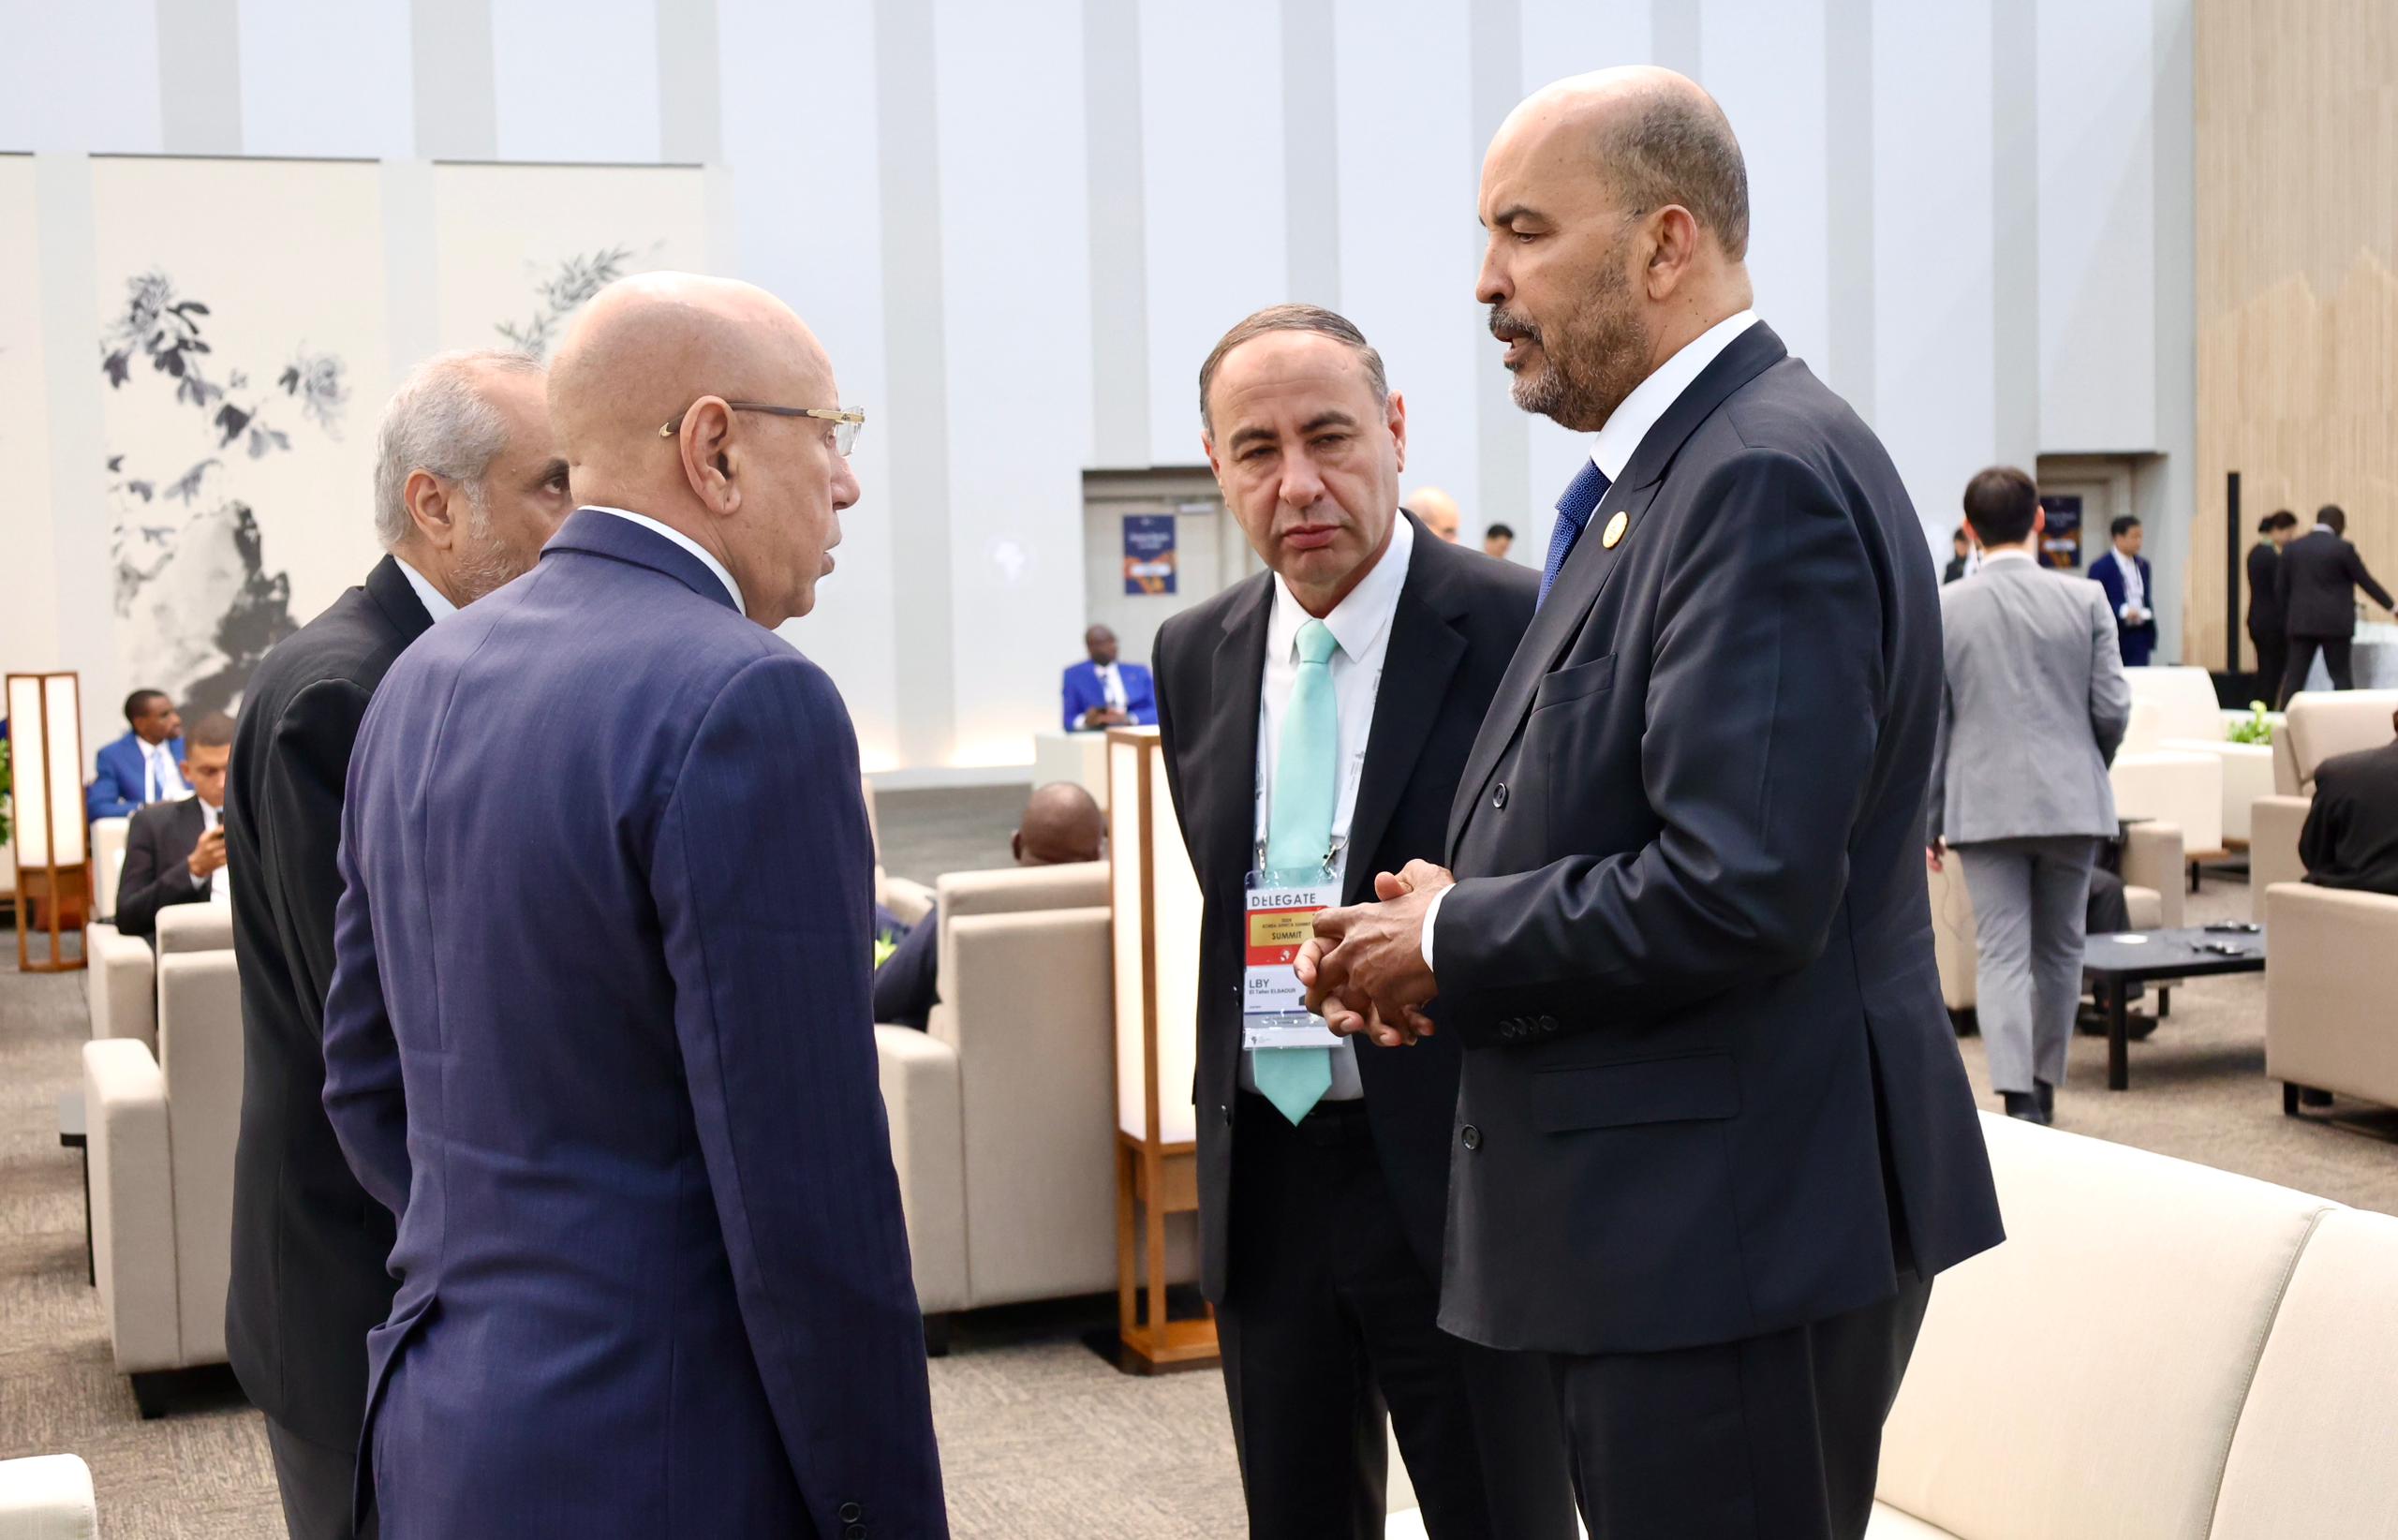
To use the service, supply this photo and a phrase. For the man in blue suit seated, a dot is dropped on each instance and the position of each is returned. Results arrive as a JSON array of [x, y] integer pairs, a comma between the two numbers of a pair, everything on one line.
[[606, 1052], [2123, 574], [1104, 692], [143, 766]]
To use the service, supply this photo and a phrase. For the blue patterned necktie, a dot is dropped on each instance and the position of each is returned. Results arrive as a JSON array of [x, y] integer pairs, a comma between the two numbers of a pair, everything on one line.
[[1299, 837], [1574, 511]]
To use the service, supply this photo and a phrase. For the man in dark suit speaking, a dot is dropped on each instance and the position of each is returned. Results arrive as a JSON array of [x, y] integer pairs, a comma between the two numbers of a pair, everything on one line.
[[606, 1052], [1315, 718], [1713, 1137]]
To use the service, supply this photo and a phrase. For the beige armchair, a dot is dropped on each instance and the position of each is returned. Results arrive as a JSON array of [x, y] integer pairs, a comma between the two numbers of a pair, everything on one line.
[[2187, 718], [2318, 726], [107, 863], [161, 1129], [2177, 786], [47, 1497], [2152, 872], [120, 982], [1003, 1112], [2326, 1001]]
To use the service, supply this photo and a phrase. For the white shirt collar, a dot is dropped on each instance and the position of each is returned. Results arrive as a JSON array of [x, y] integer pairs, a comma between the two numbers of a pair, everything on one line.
[[687, 542], [1630, 422], [437, 603], [1360, 618]]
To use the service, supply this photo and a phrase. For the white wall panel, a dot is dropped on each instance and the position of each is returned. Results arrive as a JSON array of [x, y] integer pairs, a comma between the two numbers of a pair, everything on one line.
[[1935, 400], [1212, 143], [810, 230], [577, 79], [327, 79], [1408, 237], [79, 79], [1016, 263], [1760, 62], [2097, 258]]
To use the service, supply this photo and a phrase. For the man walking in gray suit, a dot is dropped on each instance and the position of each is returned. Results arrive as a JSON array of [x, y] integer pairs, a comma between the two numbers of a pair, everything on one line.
[[2034, 707]]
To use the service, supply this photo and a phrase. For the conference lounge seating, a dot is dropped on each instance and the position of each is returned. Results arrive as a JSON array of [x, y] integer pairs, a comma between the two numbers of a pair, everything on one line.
[[47, 1497], [2189, 719], [2320, 725], [2183, 786], [2326, 1001], [107, 862], [2152, 872], [1003, 1111], [161, 1129], [121, 986]]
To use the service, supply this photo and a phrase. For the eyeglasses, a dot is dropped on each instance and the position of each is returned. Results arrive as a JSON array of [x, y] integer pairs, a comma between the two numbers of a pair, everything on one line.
[[847, 421]]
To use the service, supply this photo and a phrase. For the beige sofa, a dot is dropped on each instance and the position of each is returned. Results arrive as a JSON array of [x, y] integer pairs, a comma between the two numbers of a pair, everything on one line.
[[2159, 1351], [2152, 891], [2320, 725], [161, 1129], [2181, 786], [2326, 996], [1003, 1112], [47, 1497], [120, 982], [2188, 719]]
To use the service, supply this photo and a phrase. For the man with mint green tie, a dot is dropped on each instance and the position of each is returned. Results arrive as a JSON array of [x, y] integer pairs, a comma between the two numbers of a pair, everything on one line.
[[1296, 776]]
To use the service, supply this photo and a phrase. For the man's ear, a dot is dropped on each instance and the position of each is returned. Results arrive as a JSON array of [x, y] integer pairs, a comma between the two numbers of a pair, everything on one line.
[[432, 508], [1016, 846], [712, 461], [1396, 419]]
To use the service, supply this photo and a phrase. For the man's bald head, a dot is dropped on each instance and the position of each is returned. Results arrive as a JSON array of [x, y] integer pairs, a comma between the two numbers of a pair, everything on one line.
[[1438, 510], [1061, 825], [644, 393], [1657, 138]]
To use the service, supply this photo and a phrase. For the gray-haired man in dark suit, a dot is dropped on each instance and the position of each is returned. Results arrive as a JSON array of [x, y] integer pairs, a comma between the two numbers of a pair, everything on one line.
[[2033, 709]]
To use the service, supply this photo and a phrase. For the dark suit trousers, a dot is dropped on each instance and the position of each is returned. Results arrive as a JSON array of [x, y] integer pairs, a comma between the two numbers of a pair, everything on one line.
[[2272, 663], [318, 1483], [2337, 662], [1770, 1438], [1327, 1317]]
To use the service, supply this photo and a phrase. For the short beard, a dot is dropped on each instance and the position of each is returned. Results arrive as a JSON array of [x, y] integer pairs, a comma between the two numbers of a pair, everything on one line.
[[1593, 358], [483, 564]]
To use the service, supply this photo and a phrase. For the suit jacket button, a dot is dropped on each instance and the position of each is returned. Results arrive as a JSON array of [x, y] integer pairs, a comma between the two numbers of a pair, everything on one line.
[[852, 1513], [1470, 1137], [1499, 795], [1228, 1116], [1548, 1024]]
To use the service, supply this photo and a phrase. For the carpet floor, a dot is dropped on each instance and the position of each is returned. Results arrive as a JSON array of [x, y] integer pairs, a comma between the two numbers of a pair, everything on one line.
[[1040, 1438]]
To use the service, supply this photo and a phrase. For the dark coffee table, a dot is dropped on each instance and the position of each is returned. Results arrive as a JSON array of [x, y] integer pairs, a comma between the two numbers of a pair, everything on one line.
[[2112, 964]]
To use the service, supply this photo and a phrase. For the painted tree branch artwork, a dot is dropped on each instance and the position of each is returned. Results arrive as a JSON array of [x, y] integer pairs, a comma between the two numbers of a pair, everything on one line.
[[196, 605], [559, 292]]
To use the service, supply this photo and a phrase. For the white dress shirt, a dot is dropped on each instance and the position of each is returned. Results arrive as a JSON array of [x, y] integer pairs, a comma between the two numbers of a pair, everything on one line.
[[436, 605], [1625, 427], [165, 780], [687, 542], [2135, 591], [1361, 624]]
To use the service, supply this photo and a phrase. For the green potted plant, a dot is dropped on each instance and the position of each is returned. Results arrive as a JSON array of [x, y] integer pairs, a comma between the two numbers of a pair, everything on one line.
[[2256, 729]]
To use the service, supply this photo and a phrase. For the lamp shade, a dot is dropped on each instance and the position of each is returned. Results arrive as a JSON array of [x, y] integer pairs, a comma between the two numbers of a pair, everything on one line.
[[46, 756], [1157, 909]]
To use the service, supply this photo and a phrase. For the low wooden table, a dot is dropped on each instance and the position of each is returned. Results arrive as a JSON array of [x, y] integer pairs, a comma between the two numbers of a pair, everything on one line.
[[2112, 964], [71, 1136]]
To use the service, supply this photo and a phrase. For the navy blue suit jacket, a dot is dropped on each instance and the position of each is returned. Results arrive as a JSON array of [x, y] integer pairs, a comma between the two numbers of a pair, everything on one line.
[[122, 779], [614, 1070], [2139, 642], [1084, 693]]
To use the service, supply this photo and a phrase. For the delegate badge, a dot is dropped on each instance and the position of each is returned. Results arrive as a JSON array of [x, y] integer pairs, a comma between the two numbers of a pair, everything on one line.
[[1279, 917]]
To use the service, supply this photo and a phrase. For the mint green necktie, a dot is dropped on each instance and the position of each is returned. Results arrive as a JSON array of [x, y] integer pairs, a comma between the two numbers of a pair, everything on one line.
[[1299, 837]]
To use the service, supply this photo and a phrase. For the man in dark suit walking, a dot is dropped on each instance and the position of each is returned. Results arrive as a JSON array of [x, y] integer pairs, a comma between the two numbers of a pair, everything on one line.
[[1713, 1137], [2131, 592], [467, 484], [1315, 718], [606, 1052], [2321, 573], [2268, 625], [2350, 839], [174, 851]]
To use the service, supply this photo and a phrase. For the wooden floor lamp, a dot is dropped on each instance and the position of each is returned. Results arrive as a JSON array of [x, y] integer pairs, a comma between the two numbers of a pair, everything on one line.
[[1156, 902], [53, 861]]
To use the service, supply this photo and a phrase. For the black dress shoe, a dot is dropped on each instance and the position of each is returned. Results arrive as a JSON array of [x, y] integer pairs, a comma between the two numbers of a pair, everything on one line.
[[2027, 1107], [2046, 1095]]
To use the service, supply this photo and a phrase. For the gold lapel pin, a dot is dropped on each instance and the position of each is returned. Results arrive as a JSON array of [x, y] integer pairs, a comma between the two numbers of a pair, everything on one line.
[[1616, 526]]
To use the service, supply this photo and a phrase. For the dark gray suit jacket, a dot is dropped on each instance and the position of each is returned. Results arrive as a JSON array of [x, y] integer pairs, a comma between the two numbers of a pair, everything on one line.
[[1710, 1090], [2317, 581], [157, 874]]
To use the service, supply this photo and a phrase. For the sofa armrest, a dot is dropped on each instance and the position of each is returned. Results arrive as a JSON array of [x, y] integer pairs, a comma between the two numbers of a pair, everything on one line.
[[122, 985], [200, 1053], [920, 1095], [133, 1204], [2326, 1010], [2247, 775], [48, 1497], [195, 927], [2153, 859], [2274, 824], [908, 899], [2182, 789]]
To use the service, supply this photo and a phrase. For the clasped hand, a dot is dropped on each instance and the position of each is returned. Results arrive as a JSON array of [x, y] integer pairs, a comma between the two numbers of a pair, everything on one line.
[[1364, 967]]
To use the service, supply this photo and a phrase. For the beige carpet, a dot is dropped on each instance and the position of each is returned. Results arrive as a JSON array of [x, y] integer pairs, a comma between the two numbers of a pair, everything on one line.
[[1038, 1438]]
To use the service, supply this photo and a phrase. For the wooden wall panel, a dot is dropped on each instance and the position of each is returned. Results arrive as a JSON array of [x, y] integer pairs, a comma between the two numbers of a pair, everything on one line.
[[2297, 279]]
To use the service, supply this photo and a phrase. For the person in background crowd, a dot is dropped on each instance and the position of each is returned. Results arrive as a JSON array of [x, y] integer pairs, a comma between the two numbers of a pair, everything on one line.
[[139, 769], [1436, 511], [2319, 575], [1103, 692], [174, 851], [1323, 1168], [2131, 589], [1062, 823], [1498, 540], [2268, 623], [1961, 557], [468, 483], [2034, 705], [2350, 839]]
